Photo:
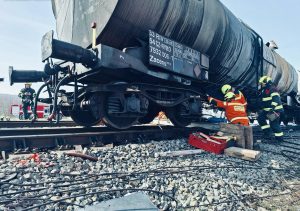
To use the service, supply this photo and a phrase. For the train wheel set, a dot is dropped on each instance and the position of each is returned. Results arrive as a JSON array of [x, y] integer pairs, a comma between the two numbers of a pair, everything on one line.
[[123, 109]]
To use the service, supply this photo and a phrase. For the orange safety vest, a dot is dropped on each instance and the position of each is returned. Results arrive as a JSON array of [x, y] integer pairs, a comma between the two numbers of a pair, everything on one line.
[[235, 110], [239, 96]]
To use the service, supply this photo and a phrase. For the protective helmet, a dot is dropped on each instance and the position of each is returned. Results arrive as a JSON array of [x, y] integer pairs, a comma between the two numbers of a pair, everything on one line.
[[264, 79], [229, 96], [28, 83], [226, 88]]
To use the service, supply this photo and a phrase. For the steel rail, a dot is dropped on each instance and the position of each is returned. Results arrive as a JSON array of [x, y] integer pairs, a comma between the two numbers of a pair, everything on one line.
[[41, 138]]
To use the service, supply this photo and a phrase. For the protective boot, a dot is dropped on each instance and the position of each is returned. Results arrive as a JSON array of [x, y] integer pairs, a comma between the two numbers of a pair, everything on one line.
[[267, 134], [256, 143]]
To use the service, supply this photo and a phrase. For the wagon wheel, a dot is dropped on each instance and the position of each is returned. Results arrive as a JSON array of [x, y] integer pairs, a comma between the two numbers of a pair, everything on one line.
[[113, 121], [119, 123], [173, 114], [84, 118], [65, 112]]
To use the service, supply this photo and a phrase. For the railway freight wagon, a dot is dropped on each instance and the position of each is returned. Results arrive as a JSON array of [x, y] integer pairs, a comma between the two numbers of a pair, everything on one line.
[[143, 56]]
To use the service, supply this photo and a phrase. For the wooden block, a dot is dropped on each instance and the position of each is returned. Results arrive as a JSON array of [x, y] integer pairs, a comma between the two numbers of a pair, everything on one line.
[[240, 141], [236, 131], [245, 154], [248, 131], [233, 128]]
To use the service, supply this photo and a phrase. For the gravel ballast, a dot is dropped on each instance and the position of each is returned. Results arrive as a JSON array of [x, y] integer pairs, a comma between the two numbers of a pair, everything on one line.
[[196, 182]]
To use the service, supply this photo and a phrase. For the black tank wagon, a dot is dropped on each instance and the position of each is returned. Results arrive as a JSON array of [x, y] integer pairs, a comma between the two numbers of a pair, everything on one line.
[[147, 56]]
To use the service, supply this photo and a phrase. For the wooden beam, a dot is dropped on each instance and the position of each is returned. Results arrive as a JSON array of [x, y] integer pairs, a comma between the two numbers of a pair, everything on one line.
[[248, 132], [236, 131], [245, 154]]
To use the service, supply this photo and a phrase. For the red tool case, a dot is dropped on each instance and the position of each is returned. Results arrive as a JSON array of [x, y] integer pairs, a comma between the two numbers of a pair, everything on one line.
[[207, 143]]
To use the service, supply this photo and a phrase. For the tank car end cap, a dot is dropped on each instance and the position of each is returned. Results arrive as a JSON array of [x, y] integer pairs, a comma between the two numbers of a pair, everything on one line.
[[10, 73], [47, 45]]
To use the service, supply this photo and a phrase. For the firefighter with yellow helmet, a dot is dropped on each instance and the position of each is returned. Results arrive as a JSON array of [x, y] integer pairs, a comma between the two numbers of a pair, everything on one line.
[[238, 94], [271, 109], [27, 95]]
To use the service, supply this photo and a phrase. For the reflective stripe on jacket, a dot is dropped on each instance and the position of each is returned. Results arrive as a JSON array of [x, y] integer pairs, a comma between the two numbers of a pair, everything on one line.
[[271, 99], [239, 96]]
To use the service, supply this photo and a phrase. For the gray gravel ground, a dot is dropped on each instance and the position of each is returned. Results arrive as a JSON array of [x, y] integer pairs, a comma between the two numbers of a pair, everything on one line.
[[197, 182]]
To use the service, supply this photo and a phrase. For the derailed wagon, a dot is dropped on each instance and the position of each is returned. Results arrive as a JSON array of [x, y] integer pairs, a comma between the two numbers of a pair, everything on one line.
[[149, 56]]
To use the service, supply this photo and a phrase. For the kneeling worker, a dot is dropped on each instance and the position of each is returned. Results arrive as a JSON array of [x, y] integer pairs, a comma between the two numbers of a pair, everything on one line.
[[235, 110]]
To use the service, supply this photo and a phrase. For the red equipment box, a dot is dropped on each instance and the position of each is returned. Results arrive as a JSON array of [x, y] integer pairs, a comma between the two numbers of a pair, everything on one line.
[[207, 143]]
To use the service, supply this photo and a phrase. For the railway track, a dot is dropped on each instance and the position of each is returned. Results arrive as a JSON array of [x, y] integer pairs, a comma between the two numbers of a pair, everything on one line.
[[29, 124], [24, 139], [23, 135], [92, 183]]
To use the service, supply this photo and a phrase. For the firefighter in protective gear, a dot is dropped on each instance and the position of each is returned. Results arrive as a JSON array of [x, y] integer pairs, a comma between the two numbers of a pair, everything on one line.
[[238, 94], [271, 109], [235, 110], [27, 95]]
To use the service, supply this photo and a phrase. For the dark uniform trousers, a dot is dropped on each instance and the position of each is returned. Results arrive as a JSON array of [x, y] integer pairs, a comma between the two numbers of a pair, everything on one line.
[[27, 95], [271, 102], [274, 125], [25, 108]]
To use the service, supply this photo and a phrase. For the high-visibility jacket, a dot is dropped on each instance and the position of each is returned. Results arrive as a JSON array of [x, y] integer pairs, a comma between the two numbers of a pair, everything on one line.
[[27, 95], [239, 96], [235, 110], [271, 100]]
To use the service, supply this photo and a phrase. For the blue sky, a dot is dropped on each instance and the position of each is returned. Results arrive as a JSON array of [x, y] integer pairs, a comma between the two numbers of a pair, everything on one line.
[[22, 25], [24, 22]]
